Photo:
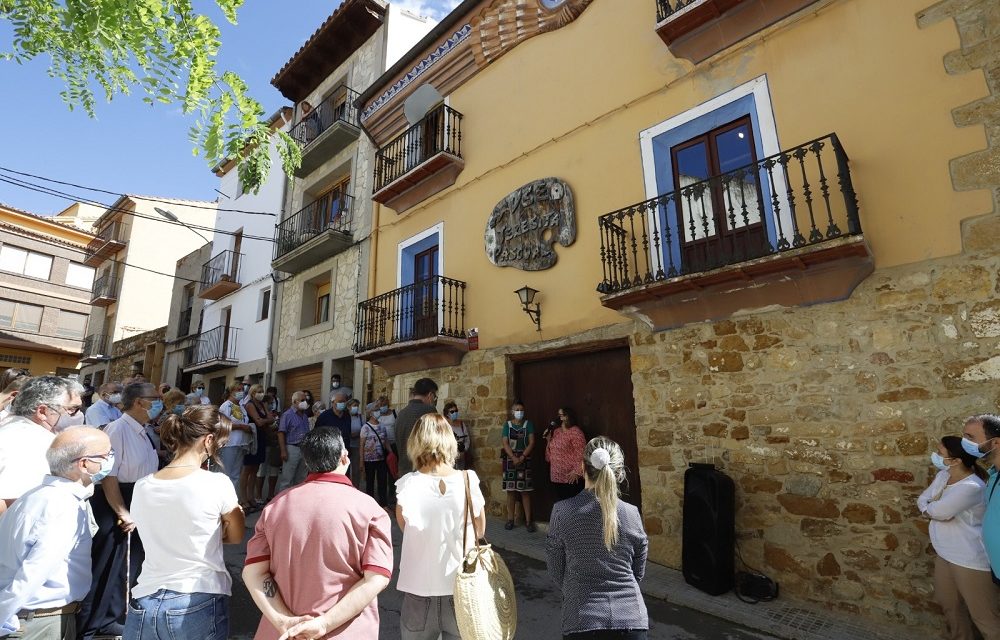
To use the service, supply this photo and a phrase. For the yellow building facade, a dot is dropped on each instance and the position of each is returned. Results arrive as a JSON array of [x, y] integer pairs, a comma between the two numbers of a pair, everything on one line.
[[818, 375]]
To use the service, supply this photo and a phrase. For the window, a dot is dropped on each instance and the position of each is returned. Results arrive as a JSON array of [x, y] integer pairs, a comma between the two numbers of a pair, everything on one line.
[[29, 263], [322, 304], [265, 305], [19, 316], [79, 275], [71, 325]]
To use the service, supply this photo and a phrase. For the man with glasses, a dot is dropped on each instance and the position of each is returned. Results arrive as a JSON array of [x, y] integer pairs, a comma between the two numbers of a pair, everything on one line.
[[45, 559], [105, 408], [26, 434], [423, 400], [103, 610]]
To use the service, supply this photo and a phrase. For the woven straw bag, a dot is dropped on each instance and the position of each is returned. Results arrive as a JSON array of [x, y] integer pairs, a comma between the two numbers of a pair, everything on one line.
[[485, 603]]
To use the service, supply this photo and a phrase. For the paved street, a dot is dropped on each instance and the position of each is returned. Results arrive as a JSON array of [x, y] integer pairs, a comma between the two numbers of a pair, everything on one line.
[[538, 606]]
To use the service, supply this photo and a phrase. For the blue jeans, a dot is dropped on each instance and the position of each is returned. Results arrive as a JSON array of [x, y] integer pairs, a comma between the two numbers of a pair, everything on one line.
[[169, 615]]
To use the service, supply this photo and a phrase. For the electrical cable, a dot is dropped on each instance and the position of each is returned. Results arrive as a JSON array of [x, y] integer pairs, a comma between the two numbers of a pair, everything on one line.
[[68, 196], [113, 193]]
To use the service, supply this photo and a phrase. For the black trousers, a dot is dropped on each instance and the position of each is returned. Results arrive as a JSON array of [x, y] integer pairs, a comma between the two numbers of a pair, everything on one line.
[[564, 491], [379, 471], [608, 634], [105, 603]]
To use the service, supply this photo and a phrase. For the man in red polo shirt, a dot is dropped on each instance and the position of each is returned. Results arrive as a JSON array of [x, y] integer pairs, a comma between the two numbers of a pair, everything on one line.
[[321, 552]]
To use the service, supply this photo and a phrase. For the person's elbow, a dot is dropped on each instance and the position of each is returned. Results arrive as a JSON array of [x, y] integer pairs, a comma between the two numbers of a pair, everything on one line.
[[376, 581]]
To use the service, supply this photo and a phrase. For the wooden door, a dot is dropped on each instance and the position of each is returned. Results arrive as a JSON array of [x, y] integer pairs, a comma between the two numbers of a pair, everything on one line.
[[302, 379], [425, 294], [597, 385]]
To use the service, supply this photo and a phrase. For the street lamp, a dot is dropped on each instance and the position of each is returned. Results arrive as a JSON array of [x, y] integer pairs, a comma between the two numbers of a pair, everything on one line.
[[527, 296], [171, 217]]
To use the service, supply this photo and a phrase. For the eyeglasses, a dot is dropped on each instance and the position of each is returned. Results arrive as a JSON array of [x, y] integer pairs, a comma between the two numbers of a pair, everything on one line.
[[97, 456], [71, 410]]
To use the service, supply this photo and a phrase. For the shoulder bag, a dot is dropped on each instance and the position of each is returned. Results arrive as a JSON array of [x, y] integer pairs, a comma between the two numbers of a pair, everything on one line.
[[391, 459], [485, 603]]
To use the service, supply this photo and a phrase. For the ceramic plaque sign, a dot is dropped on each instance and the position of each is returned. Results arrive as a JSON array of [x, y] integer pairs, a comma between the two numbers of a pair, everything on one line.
[[526, 224]]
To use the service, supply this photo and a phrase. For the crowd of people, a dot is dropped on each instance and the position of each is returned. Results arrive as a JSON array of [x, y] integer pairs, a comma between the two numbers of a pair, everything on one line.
[[116, 513]]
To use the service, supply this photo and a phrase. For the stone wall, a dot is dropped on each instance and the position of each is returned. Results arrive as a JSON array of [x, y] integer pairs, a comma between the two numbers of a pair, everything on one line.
[[128, 350]]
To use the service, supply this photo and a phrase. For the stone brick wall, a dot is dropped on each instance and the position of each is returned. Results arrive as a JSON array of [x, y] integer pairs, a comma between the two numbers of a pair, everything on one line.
[[128, 350]]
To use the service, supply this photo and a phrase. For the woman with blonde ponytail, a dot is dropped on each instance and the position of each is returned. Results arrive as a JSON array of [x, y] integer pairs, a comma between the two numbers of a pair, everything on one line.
[[596, 550]]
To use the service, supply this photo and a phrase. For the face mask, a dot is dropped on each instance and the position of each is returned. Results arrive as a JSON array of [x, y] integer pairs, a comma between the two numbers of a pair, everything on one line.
[[273, 406], [65, 421], [453, 415], [334, 385], [178, 409], [971, 448], [115, 398], [200, 391], [383, 410], [238, 395], [303, 406], [155, 409], [518, 415], [246, 387], [259, 396], [341, 406], [106, 466], [354, 411], [938, 461]]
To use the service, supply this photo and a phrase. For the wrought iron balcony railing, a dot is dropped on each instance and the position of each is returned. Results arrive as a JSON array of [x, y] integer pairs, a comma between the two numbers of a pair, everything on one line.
[[105, 287], [224, 267], [218, 344], [666, 8], [332, 212], [439, 131], [781, 203], [337, 107], [425, 309], [96, 346], [109, 240]]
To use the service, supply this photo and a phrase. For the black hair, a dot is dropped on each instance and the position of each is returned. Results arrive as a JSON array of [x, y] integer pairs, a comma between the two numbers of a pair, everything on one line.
[[569, 414], [991, 424], [423, 386], [321, 449], [953, 445]]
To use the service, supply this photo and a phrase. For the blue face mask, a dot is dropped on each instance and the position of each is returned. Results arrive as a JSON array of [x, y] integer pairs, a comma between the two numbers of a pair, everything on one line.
[[178, 409], [383, 410], [453, 415], [238, 395], [155, 409], [972, 448], [938, 461], [106, 466], [341, 406]]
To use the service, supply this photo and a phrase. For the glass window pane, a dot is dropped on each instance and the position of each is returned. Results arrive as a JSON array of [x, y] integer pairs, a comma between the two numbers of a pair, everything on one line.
[[71, 325], [28, 317], [12, 259], [698, 220], [78, 275], [38, 266], [6, 314], [735, 151]]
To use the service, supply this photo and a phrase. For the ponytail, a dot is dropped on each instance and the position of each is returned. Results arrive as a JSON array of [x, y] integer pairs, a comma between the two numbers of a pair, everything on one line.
[[604, 464], [180, 432]]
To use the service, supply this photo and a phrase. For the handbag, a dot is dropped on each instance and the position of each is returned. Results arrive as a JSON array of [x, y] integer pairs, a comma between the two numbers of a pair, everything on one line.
[[391, 459], [485, 603]]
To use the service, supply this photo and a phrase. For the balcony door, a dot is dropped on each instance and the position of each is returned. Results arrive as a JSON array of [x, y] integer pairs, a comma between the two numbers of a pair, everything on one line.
[[719, 220], [424, 299]]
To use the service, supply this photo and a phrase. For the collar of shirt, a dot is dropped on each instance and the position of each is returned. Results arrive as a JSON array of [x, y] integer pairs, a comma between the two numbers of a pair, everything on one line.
[[81, 492], [336, 478], [132, 422]]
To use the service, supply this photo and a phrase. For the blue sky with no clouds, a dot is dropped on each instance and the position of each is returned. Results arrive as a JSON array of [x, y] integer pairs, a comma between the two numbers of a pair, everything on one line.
[[131, 147]]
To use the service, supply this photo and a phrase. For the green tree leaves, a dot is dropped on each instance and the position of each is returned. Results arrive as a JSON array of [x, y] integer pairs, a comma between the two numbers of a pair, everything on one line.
[[161, 48]]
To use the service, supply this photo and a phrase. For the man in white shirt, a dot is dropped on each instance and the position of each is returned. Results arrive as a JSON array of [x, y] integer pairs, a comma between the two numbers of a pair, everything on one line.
[[45, 559], [43, 403], [104, 411], [103, 610]]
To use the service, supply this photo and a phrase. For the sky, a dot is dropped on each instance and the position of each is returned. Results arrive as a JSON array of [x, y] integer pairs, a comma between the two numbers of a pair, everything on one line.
[[131, 147]]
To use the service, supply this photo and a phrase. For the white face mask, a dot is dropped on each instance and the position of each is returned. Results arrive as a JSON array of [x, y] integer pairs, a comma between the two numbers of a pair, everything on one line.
[[65, 421], [258, 396], [518, 415], [303, 406], [115, 398]]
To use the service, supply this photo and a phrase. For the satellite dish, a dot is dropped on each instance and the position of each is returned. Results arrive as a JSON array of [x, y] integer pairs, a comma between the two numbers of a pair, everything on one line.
[[420, 102]]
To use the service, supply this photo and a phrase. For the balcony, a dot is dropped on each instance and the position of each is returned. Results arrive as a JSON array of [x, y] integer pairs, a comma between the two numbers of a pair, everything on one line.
[[314, 233], [327, 129], [105, 291], [697, 29], [213, 350], [109, 241], [419, 326], [96, 348], [421, 161], [776, 232], [220, 275]]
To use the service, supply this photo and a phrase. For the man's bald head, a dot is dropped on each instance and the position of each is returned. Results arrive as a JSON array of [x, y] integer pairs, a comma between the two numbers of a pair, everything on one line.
[[70, 446]]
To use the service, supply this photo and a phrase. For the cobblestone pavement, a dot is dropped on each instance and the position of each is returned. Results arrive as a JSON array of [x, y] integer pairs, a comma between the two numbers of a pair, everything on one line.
[[538, 606]]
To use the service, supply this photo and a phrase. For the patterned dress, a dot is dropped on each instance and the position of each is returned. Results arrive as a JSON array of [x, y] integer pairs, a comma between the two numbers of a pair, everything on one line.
[[517, 477]]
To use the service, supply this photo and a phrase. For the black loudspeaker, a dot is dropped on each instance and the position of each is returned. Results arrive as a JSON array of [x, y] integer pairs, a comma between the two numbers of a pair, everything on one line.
[[709, 539]]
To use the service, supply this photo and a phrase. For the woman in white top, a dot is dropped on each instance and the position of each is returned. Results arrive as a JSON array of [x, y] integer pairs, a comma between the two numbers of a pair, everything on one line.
[[430, 507], [962, 582], [184, 515]]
